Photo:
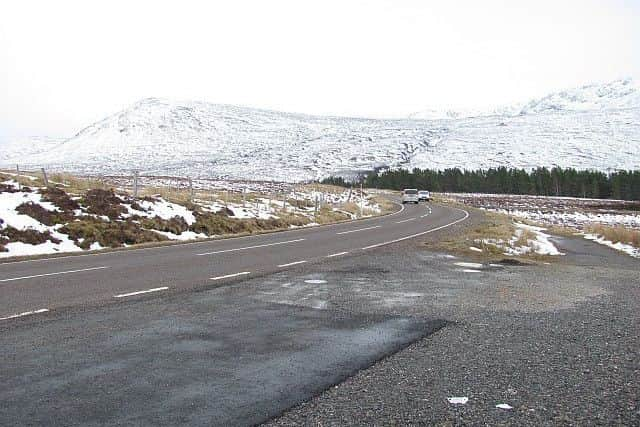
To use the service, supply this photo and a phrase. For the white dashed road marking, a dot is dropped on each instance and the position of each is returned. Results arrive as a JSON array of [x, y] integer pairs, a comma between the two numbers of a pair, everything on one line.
[[338, 254], [26, 313], [250, 247], [291, 263], [51, 274], [405, 220], [359, 229], [147, 291], [228, 276]]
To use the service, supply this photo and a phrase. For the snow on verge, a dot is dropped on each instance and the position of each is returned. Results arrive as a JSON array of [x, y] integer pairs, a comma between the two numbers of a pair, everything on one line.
[[623, 247]]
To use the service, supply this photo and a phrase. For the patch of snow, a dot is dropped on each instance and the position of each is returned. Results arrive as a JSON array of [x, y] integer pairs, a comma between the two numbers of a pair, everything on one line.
[[163, 209], [315, 281], [504, 406], [474, 249], [185, 235]]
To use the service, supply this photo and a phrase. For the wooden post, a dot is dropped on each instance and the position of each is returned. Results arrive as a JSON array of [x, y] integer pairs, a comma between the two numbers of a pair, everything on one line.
[[44, 177], [18, 177], [135, 184], [361, 200], [190, 189]]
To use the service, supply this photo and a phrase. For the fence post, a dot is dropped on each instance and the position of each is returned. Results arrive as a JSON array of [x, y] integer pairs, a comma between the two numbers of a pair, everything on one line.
[[244, 199], [190, 189], [361, 200], [44, 177], [18, 177], [135, 184]]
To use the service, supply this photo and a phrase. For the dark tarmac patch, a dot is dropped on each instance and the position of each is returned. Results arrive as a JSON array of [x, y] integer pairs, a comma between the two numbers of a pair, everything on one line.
[[209, 358]]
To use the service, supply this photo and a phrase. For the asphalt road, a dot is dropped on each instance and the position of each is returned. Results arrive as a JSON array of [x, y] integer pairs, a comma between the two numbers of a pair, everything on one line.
[[194, 352], [37, 286]]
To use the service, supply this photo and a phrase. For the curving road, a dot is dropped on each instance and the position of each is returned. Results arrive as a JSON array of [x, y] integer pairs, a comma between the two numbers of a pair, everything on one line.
[[36, 286]]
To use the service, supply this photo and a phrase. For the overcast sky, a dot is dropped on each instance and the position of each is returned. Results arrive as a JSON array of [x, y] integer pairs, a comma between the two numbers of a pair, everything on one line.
[[65, 64]]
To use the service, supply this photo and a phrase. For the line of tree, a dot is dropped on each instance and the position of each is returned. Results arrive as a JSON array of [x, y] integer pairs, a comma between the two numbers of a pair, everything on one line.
[[558, 181]]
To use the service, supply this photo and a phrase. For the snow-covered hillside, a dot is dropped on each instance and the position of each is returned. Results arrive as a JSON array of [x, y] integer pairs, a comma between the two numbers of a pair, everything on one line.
[[593, 127]]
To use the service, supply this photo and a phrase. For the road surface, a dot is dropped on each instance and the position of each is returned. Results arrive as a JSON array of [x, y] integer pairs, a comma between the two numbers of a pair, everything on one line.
[[149, 337], [36, 287]]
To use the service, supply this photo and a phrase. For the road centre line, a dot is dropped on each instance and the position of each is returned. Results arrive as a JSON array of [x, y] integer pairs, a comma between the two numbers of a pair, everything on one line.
[[228, 276], [52, 274], [26, 313], [466, 215], [291, 263], [147, 291], [359, 229], [406, 220], [250, 247], [337, 254]]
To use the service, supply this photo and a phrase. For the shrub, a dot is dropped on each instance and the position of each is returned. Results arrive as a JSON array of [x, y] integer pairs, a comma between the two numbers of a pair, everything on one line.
[[214, 223], [5, 188], [60, 199], [42, 215], [103, 202], [175, 225], [87, 231], [29, 236]]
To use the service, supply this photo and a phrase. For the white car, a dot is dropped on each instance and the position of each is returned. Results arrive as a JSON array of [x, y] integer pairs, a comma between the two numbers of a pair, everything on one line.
[[424, 195], [410, 195]]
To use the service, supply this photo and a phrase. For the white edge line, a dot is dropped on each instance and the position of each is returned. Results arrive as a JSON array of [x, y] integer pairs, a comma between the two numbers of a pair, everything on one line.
[[52, 274], [26, 313], [227, 276], [377, 245], [291, 263], [204, 241], [337, 254], [130, 294], [250, 247], [359, 229]]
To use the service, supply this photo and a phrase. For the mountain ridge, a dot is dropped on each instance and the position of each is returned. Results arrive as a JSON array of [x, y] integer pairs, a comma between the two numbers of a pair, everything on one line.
[[591, 127]]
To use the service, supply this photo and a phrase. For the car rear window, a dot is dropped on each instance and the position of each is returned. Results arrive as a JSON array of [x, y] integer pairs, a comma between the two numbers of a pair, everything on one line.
[[410, 191]]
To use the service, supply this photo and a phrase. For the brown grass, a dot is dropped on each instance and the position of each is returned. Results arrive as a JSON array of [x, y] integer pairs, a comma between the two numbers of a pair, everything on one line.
[[29, 236], [109, 234], [493, 226], [616, 234]]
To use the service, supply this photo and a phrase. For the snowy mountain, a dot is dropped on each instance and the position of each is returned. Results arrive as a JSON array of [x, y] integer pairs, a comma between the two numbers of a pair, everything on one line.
[[619, 94], [27, 146], [593, 127]]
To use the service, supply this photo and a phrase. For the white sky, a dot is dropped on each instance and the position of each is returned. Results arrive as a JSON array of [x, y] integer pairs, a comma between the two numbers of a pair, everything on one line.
[[65, 64]]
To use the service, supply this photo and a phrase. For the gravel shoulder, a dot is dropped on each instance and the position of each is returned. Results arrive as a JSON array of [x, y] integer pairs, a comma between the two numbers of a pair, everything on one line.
[[559, 343]]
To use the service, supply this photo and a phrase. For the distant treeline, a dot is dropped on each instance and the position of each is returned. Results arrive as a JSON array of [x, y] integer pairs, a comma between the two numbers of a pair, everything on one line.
[[542, 182]]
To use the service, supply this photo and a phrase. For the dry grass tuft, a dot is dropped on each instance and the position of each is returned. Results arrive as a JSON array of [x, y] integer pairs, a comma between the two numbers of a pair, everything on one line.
[[616, 234]]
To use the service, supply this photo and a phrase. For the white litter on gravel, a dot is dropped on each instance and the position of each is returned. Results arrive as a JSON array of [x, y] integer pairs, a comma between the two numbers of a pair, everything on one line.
[[503, 406], [458, 400], [315, 281]]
